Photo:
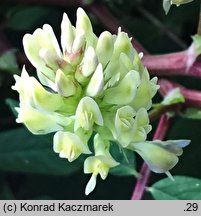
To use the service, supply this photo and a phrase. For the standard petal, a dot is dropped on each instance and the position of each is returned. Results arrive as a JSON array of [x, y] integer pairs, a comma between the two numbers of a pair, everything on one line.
[[64, 84], [124, 93], [40, 123], [174, 146], [141, 125], [43, 39], [87, 114], [69, 145], [157, 158], [146, 90]]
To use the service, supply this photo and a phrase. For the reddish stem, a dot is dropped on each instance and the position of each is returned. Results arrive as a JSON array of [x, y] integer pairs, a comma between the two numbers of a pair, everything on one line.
[[145, 172], [180, 63], [157, 112], [192, 97]]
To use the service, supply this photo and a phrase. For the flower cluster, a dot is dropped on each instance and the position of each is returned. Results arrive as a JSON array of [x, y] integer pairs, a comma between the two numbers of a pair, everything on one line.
[[91, 87], [167, 3]]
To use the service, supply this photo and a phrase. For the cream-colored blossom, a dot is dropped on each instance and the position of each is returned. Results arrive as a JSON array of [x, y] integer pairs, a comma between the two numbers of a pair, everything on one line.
[[91, 86]]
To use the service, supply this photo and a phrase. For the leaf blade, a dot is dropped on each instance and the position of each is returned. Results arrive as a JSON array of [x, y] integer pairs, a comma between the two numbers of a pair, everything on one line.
[[183, 188], [27, 153]]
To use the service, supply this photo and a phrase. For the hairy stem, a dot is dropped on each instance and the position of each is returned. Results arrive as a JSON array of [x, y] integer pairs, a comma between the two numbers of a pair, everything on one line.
[[145, 172]]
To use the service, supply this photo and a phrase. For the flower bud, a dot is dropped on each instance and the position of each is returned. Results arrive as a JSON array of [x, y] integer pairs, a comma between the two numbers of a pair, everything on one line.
[[104, 48], [67, 35], [77, 49], [122, 44], [83, 23], [90, 62], [96, 82], [65, 85]]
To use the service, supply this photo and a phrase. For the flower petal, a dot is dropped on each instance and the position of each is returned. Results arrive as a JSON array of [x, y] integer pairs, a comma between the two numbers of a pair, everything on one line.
[[89, 62], [41, 38], [146, 90], [91, 184], [96, 82], [65, 86], [69, 145], [104, 48], [157, 158], [84, 24], [39, 122], [124, 93], [87, 114], [67, 35]]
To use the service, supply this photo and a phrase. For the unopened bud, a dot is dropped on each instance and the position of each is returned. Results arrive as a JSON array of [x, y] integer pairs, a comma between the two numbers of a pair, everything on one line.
[[65, 85]]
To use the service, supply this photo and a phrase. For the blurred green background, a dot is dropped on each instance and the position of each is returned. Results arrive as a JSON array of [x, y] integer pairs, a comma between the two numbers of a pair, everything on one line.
[[29, 169]]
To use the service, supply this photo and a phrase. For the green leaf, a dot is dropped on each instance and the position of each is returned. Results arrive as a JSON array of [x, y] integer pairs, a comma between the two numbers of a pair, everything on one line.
[[12, 104], [20, 151], [126, 158], [191, 113], [183, 188], [26, 18], [8, 62], [197, 42]]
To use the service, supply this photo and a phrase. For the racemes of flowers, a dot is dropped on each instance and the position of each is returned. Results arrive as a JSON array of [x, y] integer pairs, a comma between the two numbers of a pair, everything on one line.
[[91, 87]]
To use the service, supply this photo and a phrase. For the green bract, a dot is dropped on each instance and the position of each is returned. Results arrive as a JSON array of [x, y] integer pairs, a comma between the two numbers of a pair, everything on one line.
[[92, 87]]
